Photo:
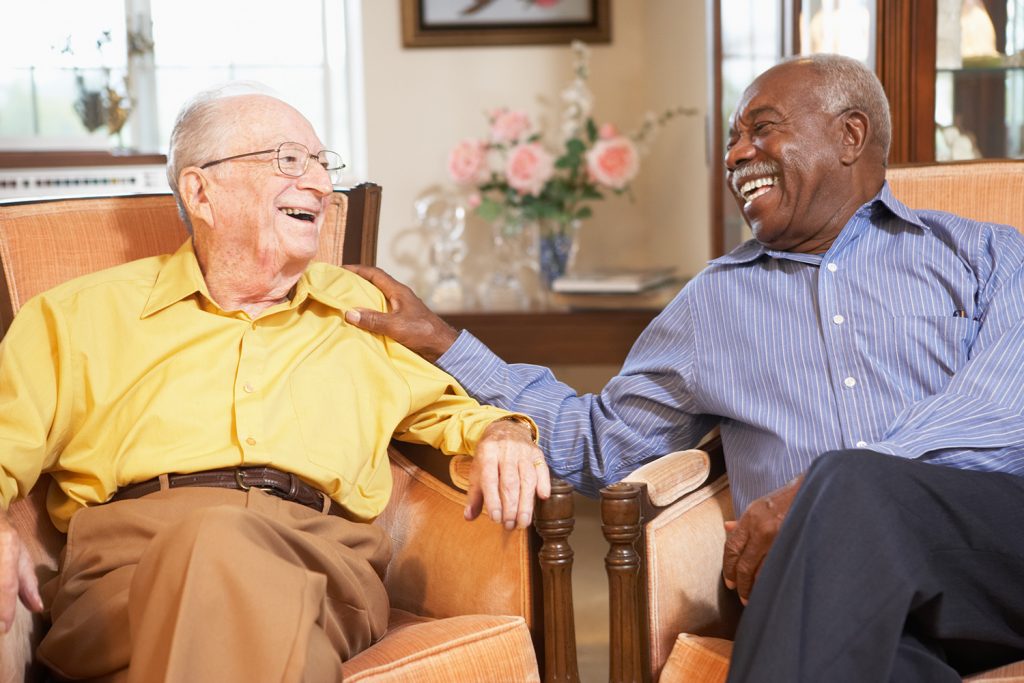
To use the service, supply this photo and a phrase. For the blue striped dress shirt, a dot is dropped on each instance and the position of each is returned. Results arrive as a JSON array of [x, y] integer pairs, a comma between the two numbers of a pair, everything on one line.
[[906, 337]]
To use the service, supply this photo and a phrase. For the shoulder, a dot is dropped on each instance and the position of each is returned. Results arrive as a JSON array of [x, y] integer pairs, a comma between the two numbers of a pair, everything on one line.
[[975, 239], [127, 280], [342, 288]]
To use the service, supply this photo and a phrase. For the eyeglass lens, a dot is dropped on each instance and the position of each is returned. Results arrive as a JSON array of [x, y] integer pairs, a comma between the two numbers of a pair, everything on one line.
[[293, 158]]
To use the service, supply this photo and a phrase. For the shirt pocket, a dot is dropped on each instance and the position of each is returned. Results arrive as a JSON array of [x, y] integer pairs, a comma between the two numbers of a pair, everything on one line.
[[920, 354]]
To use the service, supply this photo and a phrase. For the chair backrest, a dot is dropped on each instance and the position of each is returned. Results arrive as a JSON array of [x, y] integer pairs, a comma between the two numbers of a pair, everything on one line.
[[49, 241], [986, 190]]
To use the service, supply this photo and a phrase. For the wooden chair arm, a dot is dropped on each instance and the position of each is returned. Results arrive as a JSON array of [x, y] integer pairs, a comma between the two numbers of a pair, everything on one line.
[[443, 565], [665, 535]]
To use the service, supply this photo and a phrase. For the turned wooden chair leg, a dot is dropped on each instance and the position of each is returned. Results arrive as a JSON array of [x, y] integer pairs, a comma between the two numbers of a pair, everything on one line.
[[621, 518], [554, 522]]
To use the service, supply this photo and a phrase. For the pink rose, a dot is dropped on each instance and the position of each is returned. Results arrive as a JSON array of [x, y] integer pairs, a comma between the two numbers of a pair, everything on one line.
[[545, 3], [528, 168], [474, 200], [607, 131], [509, 126], [613, 162], [467, 162]]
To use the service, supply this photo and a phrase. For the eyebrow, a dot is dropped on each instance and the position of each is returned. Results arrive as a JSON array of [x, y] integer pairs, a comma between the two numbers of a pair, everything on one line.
[[753, 114]]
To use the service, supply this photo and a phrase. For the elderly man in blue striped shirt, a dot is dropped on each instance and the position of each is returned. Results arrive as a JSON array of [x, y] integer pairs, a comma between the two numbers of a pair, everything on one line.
[[847, 350]]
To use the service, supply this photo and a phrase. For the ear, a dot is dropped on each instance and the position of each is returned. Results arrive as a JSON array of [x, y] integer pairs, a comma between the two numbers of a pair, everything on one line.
[[193, 186], [855, 129]]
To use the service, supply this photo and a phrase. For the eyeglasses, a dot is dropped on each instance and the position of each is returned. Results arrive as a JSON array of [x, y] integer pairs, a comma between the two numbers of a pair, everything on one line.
[[292, 160]]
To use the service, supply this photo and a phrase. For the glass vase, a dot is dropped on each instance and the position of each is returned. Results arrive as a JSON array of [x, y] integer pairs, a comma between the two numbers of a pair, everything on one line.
[[556, 250], [504, 289]]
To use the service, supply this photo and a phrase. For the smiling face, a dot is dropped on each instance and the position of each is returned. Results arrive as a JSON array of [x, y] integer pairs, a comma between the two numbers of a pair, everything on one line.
[[785, 162], [258, 217]]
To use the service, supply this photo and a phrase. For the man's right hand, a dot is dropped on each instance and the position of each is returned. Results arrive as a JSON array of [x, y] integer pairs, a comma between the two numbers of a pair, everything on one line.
[[410, 322], [17, 576]]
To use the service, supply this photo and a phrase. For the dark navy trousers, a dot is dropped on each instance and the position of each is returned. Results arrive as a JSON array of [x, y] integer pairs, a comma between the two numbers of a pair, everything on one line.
[[889, 569]]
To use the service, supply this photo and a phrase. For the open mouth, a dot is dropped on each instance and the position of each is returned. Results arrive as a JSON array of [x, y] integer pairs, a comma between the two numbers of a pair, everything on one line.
[[754, 188], [300, 214]]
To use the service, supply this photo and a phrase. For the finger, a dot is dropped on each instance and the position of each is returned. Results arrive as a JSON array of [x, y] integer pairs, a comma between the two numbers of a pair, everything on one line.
[[730, 525], [474, 502], [378, 278], [745, 596], [8, 584], [509, 487], [748, 564], [527, 493], [489, 486], [543, 480], [29, 584], [734, 545], [369, 320]]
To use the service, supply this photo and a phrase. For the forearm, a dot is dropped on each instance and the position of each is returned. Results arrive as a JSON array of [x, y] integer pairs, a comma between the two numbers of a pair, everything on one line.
[[590, 440], [977, 420]]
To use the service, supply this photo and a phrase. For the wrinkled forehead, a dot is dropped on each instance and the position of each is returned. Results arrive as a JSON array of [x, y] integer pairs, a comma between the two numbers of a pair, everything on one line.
[[265, 120], [787, 88]]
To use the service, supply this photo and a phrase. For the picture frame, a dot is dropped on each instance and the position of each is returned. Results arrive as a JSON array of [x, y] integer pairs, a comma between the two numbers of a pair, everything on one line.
[[473, 23]]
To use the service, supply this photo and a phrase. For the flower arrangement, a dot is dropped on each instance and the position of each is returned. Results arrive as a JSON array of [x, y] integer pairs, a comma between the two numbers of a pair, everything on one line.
[[517, 177]]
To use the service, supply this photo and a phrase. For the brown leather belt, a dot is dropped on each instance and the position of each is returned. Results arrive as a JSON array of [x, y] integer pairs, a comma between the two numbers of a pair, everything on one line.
[[275, 482]]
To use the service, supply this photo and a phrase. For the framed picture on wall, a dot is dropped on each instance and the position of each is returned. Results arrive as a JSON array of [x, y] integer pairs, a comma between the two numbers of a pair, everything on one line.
[[448, 23]]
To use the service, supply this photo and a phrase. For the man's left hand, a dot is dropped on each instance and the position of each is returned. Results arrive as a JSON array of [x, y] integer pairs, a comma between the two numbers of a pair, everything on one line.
[[508, 472], [748, 540]]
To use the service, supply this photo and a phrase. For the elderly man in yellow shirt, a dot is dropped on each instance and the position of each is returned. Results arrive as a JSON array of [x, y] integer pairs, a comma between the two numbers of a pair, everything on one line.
[[160, 394]]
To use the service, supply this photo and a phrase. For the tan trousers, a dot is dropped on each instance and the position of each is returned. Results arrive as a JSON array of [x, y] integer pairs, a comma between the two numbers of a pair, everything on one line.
[[202, 584]]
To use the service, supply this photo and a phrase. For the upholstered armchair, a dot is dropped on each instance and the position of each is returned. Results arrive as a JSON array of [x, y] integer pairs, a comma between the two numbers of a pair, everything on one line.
[[470, 601], [671, 616]]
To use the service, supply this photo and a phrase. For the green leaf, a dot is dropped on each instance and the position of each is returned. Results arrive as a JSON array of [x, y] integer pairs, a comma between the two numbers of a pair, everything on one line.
[[591, 130], [489, 209], [575, 146], [584, 212]]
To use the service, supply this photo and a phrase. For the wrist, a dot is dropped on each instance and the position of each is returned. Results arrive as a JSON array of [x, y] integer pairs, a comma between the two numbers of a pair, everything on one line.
[[519, 423]]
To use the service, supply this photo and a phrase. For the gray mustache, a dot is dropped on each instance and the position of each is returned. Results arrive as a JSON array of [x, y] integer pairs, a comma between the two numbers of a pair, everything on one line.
[[755, 169]]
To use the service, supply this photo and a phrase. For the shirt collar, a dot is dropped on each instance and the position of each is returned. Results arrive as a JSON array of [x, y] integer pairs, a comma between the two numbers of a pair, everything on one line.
[[180, 277], [882, 203]]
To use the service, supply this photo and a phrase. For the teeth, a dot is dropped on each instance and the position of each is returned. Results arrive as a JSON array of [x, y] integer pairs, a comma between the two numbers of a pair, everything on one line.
[[299, 213], [749, 189]]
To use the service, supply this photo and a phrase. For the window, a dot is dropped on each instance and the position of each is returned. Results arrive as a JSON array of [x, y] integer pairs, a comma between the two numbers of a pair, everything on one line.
[[65, 62]]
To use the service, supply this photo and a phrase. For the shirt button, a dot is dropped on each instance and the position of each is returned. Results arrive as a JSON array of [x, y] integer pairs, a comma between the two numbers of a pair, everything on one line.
[[862, 444], [850, 382], [832, 267], [248, 388], [251, 441], [838, 319]]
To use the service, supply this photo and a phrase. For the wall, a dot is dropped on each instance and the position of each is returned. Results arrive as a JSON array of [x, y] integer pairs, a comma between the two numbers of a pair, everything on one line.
[[421, 101]]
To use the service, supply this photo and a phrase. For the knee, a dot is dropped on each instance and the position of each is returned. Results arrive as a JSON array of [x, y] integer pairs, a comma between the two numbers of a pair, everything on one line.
[[854, 479]]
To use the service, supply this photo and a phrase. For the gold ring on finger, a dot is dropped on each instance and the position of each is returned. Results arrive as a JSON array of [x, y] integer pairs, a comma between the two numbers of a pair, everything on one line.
[[537, 462]]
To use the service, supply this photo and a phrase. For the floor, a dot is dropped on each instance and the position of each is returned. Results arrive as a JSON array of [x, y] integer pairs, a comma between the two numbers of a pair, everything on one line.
[[590, 591]]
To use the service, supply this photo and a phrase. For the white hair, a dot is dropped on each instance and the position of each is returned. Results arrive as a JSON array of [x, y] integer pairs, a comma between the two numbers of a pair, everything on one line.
[[846, 84], [199, 132]]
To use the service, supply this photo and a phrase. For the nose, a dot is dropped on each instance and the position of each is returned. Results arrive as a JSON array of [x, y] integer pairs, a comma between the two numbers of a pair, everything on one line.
[[741, 152], [316, 178]]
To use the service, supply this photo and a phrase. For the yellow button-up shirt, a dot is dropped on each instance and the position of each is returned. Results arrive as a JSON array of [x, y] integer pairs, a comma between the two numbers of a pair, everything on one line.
[[131, 372]]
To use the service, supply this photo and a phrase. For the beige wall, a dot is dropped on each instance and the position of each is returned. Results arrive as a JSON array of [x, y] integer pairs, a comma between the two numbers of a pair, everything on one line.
[[419, 102]]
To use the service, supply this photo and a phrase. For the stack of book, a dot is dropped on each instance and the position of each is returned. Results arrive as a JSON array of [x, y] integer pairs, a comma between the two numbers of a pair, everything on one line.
[[609, 289]]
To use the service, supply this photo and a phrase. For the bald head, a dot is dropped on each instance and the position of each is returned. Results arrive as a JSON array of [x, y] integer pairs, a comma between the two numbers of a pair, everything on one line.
[[205, 127]]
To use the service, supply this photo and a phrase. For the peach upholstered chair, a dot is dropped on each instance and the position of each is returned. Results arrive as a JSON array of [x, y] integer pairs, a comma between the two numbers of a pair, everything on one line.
[[470, 601], [671, 615]]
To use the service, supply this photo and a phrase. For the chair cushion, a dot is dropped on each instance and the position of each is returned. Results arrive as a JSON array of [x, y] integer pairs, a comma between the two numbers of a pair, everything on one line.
[[1011, 673], [697, 659], [478, 648]]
